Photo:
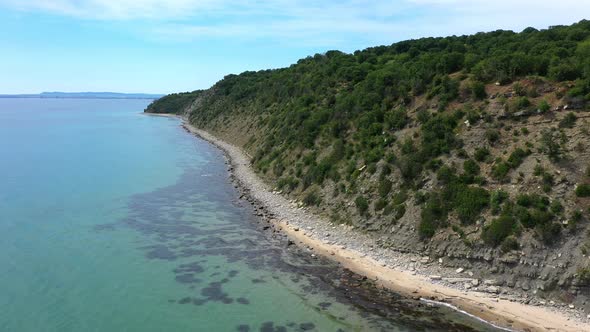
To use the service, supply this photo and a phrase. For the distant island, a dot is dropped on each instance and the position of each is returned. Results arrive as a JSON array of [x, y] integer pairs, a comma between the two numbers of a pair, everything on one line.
[[86, 95]]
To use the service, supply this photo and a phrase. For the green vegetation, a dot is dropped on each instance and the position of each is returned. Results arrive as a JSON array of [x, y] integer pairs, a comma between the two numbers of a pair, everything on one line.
[[499, 229], [568, 121], [583, 276], [509, 243], [312, 198], [544, 106], [361, 204], [481, 154], [456, 195], [551, 144], [174, 103], [583, 190], [501, 169], [376, 125]]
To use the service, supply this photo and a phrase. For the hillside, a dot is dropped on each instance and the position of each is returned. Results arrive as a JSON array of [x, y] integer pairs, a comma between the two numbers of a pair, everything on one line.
[[474, 149]]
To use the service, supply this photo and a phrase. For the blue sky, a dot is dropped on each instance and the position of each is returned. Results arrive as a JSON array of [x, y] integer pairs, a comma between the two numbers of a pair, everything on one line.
[[181, 45]]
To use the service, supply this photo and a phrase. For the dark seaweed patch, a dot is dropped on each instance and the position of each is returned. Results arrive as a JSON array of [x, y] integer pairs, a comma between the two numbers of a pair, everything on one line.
[[258, 281], [243, 328], [160, 252], [270, 327], [185, 300], [214, 293], [242, 300], [189, 268], [187, 279], [306, 326]]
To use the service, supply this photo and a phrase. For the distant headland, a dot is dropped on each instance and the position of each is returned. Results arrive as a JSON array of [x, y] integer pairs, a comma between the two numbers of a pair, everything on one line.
[[85, 95]]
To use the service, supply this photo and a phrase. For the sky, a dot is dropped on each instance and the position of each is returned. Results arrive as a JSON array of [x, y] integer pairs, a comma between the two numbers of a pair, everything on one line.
[[156, 46]]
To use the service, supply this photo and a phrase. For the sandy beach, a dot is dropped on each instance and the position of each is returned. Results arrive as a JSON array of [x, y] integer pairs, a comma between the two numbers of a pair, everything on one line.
[[354, 251]]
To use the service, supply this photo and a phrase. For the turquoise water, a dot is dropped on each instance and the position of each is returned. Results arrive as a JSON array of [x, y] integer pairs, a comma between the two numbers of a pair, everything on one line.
[[111, 220]]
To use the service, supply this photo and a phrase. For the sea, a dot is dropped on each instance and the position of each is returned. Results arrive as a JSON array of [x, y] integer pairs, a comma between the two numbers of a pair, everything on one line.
[[112, 220]]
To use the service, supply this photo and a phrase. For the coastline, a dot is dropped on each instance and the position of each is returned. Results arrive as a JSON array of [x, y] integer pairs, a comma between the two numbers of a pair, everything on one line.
[[350, 249]]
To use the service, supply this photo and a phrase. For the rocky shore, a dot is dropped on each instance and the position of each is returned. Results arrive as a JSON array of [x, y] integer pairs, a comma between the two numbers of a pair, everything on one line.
[[406, 273]]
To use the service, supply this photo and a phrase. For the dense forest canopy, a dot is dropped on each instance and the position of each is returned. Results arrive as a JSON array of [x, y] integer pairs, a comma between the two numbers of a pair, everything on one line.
[[173, 103], [379, 78]]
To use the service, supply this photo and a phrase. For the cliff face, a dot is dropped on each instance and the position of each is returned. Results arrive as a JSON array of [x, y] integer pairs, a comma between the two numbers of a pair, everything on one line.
[[474, 149]]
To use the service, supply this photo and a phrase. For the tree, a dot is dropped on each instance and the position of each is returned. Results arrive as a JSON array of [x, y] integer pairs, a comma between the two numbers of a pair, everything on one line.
[[551, 145], [478, 89]]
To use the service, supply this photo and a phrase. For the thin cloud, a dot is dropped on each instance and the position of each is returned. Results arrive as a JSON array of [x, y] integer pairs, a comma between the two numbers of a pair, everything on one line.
[[315, 22], [118, 10]]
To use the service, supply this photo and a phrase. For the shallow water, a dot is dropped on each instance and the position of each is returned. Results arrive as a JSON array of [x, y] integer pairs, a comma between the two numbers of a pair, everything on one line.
[[111, 220]]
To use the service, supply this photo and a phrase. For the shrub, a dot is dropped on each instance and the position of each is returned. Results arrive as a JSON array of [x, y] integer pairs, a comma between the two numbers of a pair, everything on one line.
[[400, 197], [481, 154], [499, 229], [438, 136], [568, 121], [478, 89], [388, 209], [576, 217], [396, 119], [471, 167], [500, 170], [312, 198], [385, 170], [544, 107], [509, 243], [434, 164], [550, 144], [533, 200], [461, 153], [556, 207], [445, 175], [470, 202], [400, 211], [548, 232], [380, 204], [384, 187], [583, 276], [524, 217], [420, 197], [433, 216], [539, 217], [423, 116], [496, 199], [548, 181], [361, 204], [518, 89], [538, 170], [289, 182], [523, 102], [517, 157], [410, 167], [583, 190], [492, 135]]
